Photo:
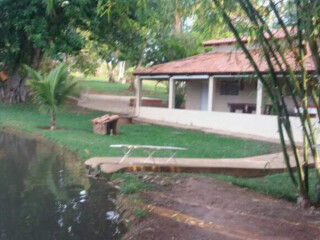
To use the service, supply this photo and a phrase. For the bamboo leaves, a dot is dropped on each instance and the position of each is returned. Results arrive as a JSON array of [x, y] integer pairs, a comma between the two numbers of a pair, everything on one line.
[[285, 59]]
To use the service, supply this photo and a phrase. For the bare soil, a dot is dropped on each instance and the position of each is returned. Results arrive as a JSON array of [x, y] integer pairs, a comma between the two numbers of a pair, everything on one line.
[[198, 208]]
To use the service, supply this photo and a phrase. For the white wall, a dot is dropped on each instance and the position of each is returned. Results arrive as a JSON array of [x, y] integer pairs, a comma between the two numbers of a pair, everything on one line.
[[193, 94], [260, 126]]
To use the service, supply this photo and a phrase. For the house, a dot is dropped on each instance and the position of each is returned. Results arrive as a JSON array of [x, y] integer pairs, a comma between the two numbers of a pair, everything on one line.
[[222, 93]]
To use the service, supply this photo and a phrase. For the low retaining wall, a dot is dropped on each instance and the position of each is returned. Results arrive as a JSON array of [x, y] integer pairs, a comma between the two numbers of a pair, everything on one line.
[[264, 126], [150, 103]]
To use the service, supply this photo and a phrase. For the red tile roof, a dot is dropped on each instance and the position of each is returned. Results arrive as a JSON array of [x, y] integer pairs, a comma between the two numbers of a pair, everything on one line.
[[215, 63], [279, 33], [223, 41]]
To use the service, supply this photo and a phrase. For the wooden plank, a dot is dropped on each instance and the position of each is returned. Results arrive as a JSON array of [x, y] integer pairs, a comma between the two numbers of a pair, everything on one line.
[[105, 119], [147, 147]]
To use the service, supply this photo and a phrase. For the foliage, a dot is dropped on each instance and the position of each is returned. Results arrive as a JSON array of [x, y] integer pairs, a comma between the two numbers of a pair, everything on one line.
[[26, 26], [172, 47], [94, 53], [130, 183], [32, 29], [139, 213], [88, 59], [299, 42], [147, 32], [51, 91]]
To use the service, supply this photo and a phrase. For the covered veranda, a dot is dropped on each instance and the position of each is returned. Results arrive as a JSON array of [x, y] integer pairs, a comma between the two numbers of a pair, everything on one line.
[[222, 95]]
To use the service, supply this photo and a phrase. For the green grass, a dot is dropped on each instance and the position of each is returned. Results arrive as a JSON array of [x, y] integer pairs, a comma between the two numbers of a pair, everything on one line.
[[139, 213], [100, 85], [276, 185], [130, 184], [77, 135]]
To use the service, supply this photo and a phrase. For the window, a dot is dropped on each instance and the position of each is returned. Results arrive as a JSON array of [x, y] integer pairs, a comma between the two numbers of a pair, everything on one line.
[[229, 88]]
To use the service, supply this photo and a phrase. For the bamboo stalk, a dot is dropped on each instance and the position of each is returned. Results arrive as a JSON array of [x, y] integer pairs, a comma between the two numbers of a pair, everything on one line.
[[282, 111]]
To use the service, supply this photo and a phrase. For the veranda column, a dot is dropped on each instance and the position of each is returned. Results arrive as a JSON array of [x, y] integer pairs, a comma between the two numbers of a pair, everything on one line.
[[172, 93], [138, 95], [259, 98], [211, 89]]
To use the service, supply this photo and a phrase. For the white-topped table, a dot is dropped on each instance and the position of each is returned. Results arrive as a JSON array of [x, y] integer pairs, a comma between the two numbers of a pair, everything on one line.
[[150, 149]]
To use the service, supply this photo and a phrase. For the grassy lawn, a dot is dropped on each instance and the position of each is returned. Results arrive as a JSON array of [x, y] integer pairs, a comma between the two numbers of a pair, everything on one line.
[[100, 85], [77, 135]]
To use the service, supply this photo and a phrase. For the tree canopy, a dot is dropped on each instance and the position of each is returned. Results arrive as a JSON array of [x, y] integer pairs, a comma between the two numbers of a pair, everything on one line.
[[86, 32]]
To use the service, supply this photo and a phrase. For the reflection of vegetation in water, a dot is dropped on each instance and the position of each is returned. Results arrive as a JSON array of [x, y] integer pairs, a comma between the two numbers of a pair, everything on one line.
[[56, 170], [45, 195], [12, 173], [2, 154]]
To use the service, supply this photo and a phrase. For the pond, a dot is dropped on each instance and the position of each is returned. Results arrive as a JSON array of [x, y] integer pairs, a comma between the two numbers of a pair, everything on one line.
[[45, 194]]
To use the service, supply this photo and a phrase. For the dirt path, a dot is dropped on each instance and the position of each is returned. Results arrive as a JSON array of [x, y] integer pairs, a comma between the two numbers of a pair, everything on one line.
[[106, 103], [199, 208]]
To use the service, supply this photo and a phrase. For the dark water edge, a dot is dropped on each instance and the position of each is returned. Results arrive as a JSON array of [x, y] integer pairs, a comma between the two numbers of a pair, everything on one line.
[[45, 194]]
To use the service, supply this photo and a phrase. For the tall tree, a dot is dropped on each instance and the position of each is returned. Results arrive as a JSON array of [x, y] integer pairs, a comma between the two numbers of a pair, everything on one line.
[[31, 29], [139, 29], [127, 28]]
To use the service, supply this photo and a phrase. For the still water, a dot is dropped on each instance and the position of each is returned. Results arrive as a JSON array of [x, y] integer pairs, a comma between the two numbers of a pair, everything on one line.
[[45, 194]]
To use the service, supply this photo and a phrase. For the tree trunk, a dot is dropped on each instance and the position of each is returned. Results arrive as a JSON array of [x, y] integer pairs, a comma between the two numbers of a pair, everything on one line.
[[111, 76], [110, 68], [138, 65], [53, 120], [36, 59], [14, 89], [177, 19], [122, 66], [131, 86]]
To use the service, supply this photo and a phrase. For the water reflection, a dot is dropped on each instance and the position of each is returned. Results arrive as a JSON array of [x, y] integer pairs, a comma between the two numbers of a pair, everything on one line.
[[44, 194]]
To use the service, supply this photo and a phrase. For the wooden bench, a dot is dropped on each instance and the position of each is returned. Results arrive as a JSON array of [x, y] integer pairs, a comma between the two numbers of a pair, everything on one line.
[[244, 107], [249, 107], [151, 150]]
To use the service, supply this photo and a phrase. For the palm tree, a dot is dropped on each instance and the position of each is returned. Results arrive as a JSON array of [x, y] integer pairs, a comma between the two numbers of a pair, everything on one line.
[[50, 92]]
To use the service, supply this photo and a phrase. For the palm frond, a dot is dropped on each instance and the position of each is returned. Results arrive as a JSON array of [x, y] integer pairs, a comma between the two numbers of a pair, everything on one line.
[[65, 92], [34, 75], [41, 95], [51, 91]]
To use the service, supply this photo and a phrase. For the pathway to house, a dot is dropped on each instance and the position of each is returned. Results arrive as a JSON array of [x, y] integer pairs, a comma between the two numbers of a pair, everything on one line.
[[106, 103], [249, 166]]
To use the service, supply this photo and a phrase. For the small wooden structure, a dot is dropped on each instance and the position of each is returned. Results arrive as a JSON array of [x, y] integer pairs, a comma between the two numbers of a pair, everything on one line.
[[106, 124]]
